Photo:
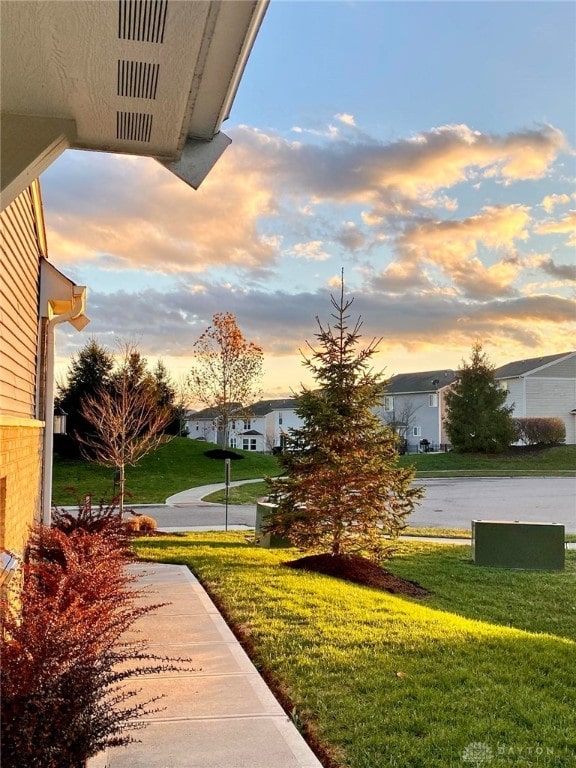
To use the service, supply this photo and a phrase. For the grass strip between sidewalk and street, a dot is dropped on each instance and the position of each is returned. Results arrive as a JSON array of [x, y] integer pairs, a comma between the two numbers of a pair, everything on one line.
[[375, 679]]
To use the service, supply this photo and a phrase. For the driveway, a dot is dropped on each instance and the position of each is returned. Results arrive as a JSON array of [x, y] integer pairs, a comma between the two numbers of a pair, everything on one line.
[[449, 502]]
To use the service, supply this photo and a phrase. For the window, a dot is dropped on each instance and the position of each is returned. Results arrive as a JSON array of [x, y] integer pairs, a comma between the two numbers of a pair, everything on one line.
[[233, 425], [433, 400], [416, 431], [279, 418], [233, 442], [249, 443], [388, 403], [246, 423]]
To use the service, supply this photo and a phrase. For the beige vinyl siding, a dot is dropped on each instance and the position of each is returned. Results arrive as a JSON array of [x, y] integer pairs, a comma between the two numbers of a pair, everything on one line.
[[515, 396], [19, 255], [552, 397], [565, 369]]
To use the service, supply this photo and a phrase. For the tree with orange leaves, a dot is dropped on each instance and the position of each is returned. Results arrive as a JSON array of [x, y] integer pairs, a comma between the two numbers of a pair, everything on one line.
[[226, 372]]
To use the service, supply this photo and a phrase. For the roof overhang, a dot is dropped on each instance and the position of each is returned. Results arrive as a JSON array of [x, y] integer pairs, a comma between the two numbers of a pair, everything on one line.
[[144, 77]]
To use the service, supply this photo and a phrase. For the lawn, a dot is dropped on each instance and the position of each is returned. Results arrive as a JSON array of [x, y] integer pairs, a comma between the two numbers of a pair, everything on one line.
[[176, 466], [380, 681], [181, 464], [556, 460]]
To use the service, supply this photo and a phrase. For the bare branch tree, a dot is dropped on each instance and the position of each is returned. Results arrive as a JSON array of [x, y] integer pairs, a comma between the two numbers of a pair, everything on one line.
[[127, 421]]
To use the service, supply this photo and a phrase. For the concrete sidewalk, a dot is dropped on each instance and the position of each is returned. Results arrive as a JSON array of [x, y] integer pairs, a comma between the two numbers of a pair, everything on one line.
[[221, 714], [197, 494]]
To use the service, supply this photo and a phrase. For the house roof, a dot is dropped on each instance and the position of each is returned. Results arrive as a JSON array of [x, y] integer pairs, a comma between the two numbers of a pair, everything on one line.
[[210, 413], [262, 407], [421, 382], [250, 432], [145, 77], [522, 367]]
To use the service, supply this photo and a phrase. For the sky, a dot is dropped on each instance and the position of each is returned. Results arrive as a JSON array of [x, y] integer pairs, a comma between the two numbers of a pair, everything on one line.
[[427, 149]]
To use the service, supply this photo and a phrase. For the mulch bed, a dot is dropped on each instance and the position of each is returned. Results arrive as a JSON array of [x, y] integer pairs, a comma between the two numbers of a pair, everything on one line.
[[360, 571]]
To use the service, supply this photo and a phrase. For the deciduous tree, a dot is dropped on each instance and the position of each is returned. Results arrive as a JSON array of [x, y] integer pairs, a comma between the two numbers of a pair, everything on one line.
[[126, 419], [477, 419], [343, 490], [226, 372]]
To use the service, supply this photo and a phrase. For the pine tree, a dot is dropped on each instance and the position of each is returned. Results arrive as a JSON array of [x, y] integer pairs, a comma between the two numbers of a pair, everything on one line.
[[342, 491], [477, 419], [90, 371]]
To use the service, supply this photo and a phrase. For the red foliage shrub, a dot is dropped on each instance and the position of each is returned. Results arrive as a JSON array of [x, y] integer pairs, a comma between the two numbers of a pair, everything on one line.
[[64, 696]]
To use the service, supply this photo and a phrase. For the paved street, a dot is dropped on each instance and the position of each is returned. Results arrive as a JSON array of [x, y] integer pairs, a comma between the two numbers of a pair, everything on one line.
[[449, 502]]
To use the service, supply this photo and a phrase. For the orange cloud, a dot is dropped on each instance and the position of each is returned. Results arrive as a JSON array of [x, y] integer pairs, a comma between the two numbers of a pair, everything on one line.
[[565, 225]]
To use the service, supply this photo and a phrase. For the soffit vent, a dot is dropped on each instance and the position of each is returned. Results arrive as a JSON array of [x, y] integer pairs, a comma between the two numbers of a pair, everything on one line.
[[137, 79], [133, 126], [142, 20]]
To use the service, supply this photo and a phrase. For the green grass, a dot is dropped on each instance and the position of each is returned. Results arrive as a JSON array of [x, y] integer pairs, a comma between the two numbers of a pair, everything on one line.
[[384, 681], [181, 464], [175, 466], [557, 460]]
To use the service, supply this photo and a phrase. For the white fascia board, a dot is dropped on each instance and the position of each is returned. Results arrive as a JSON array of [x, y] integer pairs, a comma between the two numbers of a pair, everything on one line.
[[197, 159]]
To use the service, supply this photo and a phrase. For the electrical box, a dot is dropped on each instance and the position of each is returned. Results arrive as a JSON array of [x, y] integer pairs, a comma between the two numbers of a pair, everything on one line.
[[516, 544], [267, 540]]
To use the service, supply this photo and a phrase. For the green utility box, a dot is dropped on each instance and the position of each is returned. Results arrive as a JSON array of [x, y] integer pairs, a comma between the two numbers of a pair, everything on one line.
[[515, 544], [263, 510]]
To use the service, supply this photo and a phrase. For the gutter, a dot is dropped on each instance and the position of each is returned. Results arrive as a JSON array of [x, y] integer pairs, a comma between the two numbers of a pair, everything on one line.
[[79, 320]]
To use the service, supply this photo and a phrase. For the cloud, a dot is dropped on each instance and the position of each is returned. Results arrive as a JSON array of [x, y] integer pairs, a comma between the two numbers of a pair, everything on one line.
[[351, 236], [346, 118], [168, 323], [453, 247], [562, 271], [312, 251], [565, 225], [367, 170], [551, 201], [148, 219]]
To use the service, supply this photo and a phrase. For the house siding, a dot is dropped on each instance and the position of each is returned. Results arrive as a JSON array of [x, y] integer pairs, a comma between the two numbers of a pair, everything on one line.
[[19, 283], [21, 434], [515, 396], [422, 416], [552, 397], [565, 369]]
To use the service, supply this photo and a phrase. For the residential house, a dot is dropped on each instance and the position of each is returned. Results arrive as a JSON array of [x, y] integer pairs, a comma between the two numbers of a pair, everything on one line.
[[542, 386], [259, 427], [413, 405], [35, 298], [154, 78]]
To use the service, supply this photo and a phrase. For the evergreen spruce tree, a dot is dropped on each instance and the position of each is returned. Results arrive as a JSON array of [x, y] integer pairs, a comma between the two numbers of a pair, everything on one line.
[[342, 491], [90, 371], [477, 419]]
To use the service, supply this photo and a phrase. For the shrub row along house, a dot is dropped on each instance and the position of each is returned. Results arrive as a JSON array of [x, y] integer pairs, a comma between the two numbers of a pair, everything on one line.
[[414, 405], [129, 77]]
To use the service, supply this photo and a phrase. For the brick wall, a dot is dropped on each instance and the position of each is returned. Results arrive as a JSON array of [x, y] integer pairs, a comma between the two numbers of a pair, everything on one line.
[[20, 478]]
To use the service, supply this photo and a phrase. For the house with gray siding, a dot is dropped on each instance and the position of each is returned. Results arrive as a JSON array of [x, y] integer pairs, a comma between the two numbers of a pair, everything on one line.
[[414, 407], [542, 386]]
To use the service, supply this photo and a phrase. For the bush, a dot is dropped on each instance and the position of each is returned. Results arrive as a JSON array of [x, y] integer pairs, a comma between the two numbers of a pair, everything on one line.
[[63, 666], [540, 431], [140, 524], [147, 524], [105, 518]]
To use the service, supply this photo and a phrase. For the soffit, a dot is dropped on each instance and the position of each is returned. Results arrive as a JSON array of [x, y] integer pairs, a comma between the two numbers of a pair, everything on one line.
[[136, 77]]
